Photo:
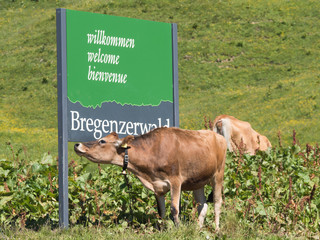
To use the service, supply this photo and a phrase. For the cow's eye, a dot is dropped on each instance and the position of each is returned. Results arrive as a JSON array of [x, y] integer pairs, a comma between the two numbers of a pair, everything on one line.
[[102, 141]]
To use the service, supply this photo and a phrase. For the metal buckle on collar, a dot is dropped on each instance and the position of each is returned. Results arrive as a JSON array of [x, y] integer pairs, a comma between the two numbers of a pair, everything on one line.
[[125, 162]]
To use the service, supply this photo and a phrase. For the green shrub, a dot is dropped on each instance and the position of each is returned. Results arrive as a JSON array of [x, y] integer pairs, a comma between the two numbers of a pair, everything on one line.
[[274, 190]]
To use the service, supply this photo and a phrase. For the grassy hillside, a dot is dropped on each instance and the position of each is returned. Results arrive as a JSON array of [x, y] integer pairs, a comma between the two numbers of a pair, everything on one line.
[[256, 60]]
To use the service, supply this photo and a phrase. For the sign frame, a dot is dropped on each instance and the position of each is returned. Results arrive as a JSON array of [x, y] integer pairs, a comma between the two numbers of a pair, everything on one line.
[[61, 31]]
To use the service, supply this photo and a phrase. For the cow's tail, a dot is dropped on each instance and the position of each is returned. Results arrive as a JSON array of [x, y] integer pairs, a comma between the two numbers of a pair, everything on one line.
[[223, 127]]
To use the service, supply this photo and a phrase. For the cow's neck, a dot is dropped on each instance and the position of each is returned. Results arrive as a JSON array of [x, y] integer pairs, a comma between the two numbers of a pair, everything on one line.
[[132, 164], [137, 165], [136, 162]]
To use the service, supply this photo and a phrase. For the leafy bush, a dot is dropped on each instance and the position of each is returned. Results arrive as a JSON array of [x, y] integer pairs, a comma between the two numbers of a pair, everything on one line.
[[274, 190], [29, 195], [28, 192]]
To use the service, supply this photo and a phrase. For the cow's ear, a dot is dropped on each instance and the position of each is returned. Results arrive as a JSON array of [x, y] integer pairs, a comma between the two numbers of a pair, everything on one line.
[[114, 134], [126, 141]]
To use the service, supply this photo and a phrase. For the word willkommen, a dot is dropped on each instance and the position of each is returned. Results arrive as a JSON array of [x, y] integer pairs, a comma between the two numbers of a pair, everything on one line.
[[100, 38]]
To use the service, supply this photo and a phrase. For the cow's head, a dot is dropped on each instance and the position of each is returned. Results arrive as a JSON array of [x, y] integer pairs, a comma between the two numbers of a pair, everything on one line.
[[104, 150], [218, 127]]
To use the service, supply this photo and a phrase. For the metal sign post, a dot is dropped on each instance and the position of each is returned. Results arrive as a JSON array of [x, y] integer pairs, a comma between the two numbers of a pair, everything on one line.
[[175, 74], [62, 117]]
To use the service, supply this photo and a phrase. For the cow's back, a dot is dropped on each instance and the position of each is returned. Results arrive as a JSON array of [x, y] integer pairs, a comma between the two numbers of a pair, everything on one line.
[[242, 132], [192, 156]]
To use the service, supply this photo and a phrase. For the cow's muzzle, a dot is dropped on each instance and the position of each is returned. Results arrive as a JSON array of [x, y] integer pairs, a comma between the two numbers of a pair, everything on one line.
[[78, 149]]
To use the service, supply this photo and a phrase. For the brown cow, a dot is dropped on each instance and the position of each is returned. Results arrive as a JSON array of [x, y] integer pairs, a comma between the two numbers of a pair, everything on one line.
[[235, 131], [168, 159]]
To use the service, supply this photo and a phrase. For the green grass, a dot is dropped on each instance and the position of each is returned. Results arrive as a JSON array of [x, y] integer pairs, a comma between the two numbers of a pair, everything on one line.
[[256, 60], [233, 229], [185, 231]]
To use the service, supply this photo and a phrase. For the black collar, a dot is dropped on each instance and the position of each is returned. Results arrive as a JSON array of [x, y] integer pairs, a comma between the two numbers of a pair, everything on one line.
[[125, 161]]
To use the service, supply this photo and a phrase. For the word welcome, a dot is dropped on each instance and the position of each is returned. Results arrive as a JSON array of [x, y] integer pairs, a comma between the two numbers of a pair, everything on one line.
[[106, 76], [100, 38], [103, 126], [103, 57]]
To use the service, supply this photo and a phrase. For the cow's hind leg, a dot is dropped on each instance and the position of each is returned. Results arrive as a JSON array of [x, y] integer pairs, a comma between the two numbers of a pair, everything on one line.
[[218, 184], [202, 205]]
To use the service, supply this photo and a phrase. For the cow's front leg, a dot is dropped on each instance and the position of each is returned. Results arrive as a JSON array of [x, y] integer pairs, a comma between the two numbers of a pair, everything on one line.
[[161, 205], [175, 200]]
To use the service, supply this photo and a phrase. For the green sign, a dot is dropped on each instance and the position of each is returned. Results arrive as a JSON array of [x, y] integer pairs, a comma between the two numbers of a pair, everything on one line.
[[117, 59], [115, 74]]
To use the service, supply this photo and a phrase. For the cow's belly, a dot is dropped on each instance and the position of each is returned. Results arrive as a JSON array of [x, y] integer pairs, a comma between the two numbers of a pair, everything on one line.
[[158, 186], [190, 185], [196, 177], [161, 187]]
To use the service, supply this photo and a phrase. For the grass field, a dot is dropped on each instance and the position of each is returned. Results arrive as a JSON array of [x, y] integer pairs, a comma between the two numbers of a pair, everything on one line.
[[185, 231], [256, 60]]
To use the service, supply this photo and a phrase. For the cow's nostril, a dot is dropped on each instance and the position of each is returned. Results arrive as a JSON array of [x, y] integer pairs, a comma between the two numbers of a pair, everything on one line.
[[76, 145]]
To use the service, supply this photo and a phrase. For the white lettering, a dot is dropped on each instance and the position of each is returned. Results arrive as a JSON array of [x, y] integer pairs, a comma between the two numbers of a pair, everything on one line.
[[73, 120], [106, 76], [113, 123], [122, 42], [135, 124], [89, 73], [114, 41], [168, 123], [129, 127], [105, 124], [90, 56], [97, 124], [89, 123], [91, 37], [122, 127], [100, 38], [152, 126], [82, 120], [98, 127], [144, 128], [100, 57]]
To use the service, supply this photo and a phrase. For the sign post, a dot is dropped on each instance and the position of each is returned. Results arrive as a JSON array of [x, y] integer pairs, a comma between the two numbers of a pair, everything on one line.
[[115, 74], [62, 118]]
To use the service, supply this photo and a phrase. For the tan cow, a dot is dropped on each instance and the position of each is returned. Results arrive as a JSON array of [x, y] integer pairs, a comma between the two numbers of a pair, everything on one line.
[[235, 131], [168, 159]]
